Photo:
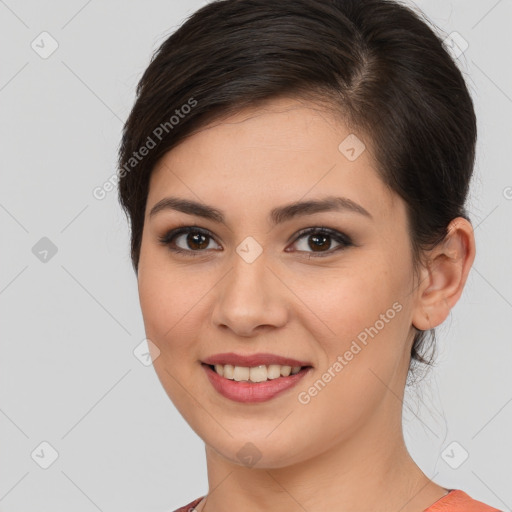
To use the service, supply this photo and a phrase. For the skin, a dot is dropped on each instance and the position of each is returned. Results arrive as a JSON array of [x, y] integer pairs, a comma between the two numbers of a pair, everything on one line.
[[344, 450]]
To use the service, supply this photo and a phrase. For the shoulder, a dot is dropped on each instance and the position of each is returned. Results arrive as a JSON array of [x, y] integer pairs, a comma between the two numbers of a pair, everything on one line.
[[455, 501], [190, 506], [458, 501]]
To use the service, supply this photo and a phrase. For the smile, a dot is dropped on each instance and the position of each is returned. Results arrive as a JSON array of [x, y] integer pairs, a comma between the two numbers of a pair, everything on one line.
[[253, 384], [256, 373]]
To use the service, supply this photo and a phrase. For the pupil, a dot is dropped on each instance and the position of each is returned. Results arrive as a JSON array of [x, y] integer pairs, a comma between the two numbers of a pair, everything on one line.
[[317, 241]]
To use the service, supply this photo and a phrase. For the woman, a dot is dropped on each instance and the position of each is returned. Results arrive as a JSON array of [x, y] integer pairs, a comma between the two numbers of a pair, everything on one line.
[[295, 175]]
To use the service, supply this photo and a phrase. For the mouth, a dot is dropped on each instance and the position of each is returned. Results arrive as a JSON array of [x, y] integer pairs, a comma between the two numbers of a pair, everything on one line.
[[255, 383], [254, 374]]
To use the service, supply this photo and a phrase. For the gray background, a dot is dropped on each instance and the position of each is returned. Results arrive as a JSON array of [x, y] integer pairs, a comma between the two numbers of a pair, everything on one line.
[[70, 324]]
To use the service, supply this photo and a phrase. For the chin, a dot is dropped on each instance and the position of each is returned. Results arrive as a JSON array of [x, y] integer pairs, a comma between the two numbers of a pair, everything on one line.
[[258, 452]]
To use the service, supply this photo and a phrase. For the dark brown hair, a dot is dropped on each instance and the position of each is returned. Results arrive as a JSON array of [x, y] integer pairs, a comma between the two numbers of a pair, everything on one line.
[[377, 63]]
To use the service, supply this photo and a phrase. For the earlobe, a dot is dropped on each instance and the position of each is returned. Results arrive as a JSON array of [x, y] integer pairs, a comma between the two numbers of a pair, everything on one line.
[[444, 277]]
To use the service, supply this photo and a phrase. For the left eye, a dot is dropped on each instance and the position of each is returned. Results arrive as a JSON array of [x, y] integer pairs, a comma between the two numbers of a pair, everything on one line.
[[196, 240], [319, 240]]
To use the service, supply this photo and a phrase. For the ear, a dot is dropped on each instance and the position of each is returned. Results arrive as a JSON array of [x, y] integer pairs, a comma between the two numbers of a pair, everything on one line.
[[443, 278]]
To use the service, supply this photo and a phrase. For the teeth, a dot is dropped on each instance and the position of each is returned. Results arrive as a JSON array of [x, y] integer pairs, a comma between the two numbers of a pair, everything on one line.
[[228, 371], [286, 370], [256, 373], [241, 373], [273, 371]]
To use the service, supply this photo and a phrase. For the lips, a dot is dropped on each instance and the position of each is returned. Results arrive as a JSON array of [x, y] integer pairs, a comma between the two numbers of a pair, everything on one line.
[[253, 360], [253, 392]]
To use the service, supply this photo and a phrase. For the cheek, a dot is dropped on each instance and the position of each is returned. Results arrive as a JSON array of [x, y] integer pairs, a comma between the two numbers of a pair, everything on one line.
[[364, 321], [172, 298], [351, 299], [361, 359], [163, 307], [168, 303]]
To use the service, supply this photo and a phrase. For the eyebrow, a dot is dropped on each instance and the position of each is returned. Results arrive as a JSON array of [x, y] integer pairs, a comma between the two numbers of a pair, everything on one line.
[[277, 215]]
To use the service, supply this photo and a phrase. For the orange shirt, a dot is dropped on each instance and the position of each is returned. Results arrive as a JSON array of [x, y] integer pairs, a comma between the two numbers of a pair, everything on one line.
[[455, 501], [458, 501]]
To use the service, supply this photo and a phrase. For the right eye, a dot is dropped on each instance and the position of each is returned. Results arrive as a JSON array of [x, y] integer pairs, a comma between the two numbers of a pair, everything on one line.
[[193, 239]]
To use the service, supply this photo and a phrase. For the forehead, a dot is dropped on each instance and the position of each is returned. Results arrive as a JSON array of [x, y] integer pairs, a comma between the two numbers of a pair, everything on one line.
[[283, 151]]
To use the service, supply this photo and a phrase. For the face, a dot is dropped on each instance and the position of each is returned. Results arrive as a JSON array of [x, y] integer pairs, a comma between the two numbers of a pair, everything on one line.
[[328, 286]]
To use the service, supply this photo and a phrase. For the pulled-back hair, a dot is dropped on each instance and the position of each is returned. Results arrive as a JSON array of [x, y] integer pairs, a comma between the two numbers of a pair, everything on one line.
[[376, 63]]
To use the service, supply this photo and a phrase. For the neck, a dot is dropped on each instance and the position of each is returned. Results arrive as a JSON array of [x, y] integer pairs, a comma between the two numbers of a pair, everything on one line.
[[359, 474]]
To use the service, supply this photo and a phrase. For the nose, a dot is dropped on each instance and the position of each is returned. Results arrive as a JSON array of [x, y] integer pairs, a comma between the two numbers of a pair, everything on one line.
[[250, 299]]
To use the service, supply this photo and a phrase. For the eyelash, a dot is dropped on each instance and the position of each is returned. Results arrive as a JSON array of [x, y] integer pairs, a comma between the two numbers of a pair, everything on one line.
[[339, 237]]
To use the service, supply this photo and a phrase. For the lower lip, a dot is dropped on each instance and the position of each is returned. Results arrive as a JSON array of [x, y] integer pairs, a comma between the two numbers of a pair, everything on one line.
[[251, 392]]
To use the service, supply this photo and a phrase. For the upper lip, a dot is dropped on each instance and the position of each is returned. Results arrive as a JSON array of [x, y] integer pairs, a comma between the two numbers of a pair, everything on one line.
[[253, 360]]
